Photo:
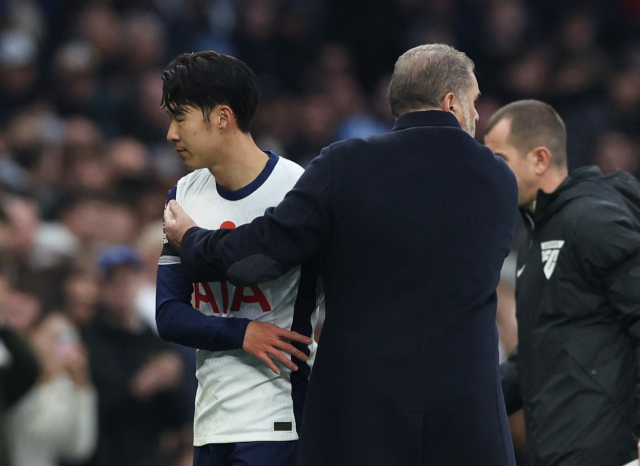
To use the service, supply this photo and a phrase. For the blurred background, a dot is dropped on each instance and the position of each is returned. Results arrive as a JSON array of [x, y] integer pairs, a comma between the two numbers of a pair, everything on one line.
[[85, 168]]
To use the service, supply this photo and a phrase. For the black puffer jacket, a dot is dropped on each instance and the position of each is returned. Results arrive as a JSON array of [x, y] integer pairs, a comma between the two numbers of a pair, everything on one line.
[[575, 370]]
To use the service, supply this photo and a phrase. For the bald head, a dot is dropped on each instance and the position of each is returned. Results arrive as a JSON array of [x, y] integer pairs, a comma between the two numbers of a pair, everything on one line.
[[534, 124]]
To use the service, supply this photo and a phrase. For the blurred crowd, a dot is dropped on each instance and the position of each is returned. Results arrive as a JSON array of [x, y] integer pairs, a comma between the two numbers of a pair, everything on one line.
[[85, 167]]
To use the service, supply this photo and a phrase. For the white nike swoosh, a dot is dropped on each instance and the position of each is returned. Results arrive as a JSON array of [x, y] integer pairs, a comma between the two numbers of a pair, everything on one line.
[[519, 271]]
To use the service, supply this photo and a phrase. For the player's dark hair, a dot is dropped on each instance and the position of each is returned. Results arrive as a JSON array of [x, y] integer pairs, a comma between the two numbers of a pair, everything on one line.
[[534, 124], [208, 79]]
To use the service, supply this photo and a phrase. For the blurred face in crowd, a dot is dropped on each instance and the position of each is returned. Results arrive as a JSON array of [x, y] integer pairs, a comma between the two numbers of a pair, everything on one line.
[[81, 296], [119, 294], [20, 310], [55, 341], [196, 139], [522, 165]]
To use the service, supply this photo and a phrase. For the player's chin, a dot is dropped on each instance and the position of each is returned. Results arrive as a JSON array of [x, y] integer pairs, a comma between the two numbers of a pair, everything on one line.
[[190, 163]]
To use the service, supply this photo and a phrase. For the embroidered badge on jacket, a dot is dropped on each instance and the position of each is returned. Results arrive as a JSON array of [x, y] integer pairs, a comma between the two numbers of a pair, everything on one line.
[[550, 253]]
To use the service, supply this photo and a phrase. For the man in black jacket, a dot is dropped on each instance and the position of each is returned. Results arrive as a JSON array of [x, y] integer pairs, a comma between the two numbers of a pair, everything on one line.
[[578, 297], [412, 227]]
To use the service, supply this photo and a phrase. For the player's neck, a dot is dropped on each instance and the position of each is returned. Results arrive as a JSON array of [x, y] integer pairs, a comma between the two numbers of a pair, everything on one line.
[[241, 163]]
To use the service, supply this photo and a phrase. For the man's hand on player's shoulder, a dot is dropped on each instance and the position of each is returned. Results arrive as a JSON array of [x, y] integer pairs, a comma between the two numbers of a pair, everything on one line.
[[263, 340], [176, 223]]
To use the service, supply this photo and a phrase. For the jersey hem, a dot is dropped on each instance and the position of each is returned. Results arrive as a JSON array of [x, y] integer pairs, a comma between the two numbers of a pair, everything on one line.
[[253, 437]]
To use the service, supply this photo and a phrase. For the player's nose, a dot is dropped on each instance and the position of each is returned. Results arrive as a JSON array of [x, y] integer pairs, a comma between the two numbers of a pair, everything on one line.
[[173, 135]]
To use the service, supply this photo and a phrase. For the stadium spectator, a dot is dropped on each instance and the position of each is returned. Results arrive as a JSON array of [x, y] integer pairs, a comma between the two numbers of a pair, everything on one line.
[[19, 73], [81, 293], [21, 311], [60, 414], [139, 378], [18, 371]]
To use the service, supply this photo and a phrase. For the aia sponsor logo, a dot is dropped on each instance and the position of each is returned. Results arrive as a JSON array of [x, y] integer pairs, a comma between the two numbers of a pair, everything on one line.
[[203, 293]]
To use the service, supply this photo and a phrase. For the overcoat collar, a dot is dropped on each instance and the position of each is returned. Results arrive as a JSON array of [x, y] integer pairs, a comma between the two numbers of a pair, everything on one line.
[[426, 118]]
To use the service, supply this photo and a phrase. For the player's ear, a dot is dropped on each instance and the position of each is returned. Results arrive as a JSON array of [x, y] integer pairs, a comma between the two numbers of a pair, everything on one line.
[[226, 117]]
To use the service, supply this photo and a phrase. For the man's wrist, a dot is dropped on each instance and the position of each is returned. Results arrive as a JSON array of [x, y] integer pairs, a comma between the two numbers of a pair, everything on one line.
[[187, 234], [239, 332]]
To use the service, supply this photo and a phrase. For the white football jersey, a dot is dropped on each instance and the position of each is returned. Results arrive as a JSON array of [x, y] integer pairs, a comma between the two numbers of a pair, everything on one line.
[[239, 399]]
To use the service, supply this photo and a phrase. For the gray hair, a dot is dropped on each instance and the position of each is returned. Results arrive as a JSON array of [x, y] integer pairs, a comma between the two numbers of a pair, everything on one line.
[[423, 75]]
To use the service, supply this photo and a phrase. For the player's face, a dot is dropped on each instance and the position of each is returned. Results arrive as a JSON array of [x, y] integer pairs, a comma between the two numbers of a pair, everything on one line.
[[523, 166], [194, 138]]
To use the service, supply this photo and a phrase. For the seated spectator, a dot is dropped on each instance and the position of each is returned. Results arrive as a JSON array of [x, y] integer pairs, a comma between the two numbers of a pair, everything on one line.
[[58, 419], [138, 376]]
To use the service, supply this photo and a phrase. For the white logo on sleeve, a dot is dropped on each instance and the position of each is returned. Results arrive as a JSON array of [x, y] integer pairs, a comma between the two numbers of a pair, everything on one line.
[[550, 253]]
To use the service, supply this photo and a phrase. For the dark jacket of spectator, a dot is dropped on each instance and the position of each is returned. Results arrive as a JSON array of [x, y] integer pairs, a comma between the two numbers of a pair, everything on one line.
[[131, 418], [18, 373], [578, 306]]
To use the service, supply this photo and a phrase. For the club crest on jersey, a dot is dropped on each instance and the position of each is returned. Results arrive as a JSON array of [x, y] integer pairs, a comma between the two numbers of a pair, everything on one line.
[[550, 253]]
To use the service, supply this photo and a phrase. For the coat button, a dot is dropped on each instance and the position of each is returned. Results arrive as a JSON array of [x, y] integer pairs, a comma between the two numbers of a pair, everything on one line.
[[594, 372]]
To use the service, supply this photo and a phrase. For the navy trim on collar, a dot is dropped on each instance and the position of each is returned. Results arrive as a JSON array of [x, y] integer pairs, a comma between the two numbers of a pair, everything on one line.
[[426, 118], [254, 185]]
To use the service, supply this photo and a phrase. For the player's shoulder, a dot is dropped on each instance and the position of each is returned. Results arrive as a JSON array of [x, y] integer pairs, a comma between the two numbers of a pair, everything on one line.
[[288, 169], [195, 178]]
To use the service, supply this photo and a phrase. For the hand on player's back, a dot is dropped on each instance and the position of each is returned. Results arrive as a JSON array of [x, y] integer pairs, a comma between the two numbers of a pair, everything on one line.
[[263, 340]]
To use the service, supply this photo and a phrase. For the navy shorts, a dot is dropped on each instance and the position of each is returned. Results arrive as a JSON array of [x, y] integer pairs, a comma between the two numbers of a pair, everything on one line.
[[246, 454]]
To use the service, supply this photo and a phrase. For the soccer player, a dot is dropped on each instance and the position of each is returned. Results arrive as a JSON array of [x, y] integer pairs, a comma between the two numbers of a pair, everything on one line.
[[248, 405]]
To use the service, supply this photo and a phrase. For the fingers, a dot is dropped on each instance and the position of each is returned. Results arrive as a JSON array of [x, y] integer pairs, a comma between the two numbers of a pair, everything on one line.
[[267, 360], [267, 343], [173, 211], [282, 334], [295, 336], [173, 206], [292, 350], [168, 214], [285, 361]]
